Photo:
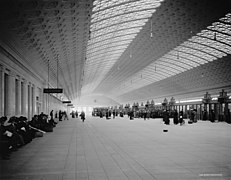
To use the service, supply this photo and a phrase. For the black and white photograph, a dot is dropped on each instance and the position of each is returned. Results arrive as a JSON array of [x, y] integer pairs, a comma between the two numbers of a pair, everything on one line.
[[115, 89]]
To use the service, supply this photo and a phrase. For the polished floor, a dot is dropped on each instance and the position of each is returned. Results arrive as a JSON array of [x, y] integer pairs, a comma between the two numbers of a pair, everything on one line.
[[120, 149]]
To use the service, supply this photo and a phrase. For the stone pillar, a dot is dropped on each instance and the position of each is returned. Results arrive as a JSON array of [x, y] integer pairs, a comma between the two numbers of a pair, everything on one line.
[[33, 98], [44, 104], [18, 97], [29, 100], [44, 99], [10, 105], [1, 91], [24, 99]]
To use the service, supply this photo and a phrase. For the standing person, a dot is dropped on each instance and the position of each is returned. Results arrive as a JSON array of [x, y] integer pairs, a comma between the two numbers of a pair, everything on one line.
[[166, 118], [212, 116], [51, 114], [56, 114], [73, 114], [228, 116], [76, 114], [131, 115], [181, 118], [65, 115], [52, 121], [82, 116], [205, 115], [192, 116], [107, 114], [148, 114], [195, 115], [145, 114], [60, 115], [114, 113], [100, 114], [175, 117]]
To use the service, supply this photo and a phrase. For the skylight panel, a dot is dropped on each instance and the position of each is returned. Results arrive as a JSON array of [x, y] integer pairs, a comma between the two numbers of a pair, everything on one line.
[[154, 77], [169, 67], [201, 47], [179, 60], [227, 18], [99, 44], [221, 27], [208, 45], [182, 63], [114, 25], [224, 38]]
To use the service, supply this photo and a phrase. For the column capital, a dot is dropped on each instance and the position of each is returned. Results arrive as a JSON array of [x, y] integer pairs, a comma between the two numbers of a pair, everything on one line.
[[24, 80], [12, 74], [18, 78]]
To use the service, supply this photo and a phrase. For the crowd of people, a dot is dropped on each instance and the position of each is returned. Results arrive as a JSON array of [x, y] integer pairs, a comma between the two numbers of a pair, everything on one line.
[[16, 132], [145, 112], [75, 114], [178, 118]]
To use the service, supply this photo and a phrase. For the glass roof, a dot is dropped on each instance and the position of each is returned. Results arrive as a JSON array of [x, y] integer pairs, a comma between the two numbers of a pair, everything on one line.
[[208, 45], [114, 24]]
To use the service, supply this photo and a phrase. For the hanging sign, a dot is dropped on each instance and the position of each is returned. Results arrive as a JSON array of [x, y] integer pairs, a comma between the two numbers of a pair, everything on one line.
[[52, 90], [66, 102]]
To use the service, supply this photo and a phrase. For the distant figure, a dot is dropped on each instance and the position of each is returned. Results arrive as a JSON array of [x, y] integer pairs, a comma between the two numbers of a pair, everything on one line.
[[82, 116], [212, 116], [51, 114], [56, 114], [107, 114], [101, 114], [204, 115], [60, 115], [114, 113], [192, 115], [131, 115], [73, 114], [166, 118], [76, 114], [145, 114], [51, 121], [65, 115], [181, 121], [175, 117], [121, 114], [148, 114], [228, 117]]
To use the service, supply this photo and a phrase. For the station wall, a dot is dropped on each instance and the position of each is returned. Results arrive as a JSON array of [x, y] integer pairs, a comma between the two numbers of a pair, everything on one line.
[[21, 91]]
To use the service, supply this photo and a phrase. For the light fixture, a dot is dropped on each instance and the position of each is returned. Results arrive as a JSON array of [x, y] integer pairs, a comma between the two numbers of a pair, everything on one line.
[[130, 55], [151, 34], [215, 36]]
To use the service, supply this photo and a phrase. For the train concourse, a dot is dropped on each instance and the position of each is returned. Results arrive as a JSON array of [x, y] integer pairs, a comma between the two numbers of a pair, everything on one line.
[[123, 149], [115, 90]]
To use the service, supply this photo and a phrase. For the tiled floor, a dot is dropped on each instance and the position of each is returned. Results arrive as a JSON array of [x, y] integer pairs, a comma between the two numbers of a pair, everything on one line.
[[120, 149]]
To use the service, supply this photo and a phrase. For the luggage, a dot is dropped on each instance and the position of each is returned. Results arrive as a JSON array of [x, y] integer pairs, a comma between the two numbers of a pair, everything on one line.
[[38, 134], [48, 128], [190, 122]]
